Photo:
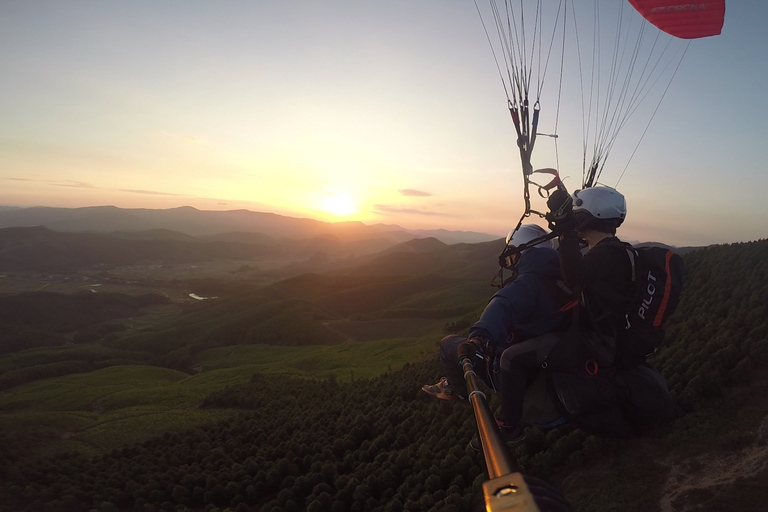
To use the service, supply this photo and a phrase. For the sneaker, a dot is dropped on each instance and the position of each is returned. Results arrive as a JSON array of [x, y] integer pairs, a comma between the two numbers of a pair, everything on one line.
[[442, 390], [513, 435]]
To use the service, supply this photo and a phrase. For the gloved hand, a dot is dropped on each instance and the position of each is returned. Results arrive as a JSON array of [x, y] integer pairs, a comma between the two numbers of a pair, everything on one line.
[[560, 214], [475, 347]]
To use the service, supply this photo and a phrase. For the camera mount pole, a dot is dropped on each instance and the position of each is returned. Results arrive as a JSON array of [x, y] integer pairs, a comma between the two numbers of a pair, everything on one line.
[[506, 489]]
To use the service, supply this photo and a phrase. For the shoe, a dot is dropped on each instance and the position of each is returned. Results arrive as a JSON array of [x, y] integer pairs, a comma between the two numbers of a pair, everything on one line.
[[511, 434], [514, 436], [442, 390]]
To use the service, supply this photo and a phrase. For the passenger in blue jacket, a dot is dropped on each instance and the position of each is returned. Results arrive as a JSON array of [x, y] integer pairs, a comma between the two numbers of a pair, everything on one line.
[[529, 306]]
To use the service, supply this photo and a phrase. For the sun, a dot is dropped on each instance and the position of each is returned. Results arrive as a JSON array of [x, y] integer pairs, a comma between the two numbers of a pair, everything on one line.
[[338, 204]]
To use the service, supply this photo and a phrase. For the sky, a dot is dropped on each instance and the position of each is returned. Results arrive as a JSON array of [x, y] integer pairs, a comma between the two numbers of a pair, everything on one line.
[[377, 111]]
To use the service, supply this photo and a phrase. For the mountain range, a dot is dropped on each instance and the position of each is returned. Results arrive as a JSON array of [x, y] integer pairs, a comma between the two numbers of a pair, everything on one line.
[[194, 222]]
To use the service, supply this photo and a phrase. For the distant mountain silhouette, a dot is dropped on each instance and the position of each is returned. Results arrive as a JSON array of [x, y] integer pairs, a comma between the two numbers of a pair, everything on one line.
[[419, 245], [42, 249], [159, 234], [192, 221]]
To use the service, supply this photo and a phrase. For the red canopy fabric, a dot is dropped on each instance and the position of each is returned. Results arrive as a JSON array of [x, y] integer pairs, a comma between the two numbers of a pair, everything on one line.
[[684, 19]]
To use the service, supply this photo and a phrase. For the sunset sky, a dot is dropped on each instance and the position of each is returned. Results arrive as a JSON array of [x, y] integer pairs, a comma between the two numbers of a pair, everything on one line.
[[379, 111]]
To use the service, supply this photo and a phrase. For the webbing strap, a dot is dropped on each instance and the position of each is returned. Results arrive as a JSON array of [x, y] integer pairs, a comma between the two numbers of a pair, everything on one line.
[[632, 259]]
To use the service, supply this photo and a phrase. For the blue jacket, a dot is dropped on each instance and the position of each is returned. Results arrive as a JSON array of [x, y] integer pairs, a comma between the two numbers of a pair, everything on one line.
[[526, 306]]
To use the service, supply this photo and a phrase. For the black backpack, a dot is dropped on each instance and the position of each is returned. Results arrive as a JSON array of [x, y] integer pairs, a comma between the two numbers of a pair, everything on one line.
[[658, 280]]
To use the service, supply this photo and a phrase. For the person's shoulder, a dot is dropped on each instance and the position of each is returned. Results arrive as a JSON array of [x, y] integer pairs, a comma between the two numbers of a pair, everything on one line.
[[610, 240], [521, 284], [540, 260], [607, 251], [543, 250], [610, 243], [537, 256]]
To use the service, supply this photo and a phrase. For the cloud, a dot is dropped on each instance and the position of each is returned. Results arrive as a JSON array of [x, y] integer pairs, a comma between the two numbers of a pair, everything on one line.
[[386, 209], [190, 139], [83, 184], [150, 192], [72, 184], [413, 193], [58, 183]]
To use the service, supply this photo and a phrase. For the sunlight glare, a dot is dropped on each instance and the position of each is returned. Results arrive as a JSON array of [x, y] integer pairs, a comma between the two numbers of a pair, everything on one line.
[[338, 204]]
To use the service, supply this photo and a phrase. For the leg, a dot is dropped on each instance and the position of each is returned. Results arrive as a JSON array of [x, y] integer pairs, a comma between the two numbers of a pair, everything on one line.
[[518, 364], [452, 386], [449, 358]]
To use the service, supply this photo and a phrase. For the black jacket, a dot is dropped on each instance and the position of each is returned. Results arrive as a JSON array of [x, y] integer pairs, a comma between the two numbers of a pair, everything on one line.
[[604, 275]]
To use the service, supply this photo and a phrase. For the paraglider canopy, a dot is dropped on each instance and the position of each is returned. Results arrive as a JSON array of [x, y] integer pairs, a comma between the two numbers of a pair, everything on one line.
[[689, 20]]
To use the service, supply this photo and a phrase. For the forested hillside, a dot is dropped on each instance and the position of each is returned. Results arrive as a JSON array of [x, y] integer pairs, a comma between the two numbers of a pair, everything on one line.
[[366, 445], [719, 334]]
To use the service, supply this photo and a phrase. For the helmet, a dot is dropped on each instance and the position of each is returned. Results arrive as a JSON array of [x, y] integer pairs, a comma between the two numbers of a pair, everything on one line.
[[525, 234], [595, 204]]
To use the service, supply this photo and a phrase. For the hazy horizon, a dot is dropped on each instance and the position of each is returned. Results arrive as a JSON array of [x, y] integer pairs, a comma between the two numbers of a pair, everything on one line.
[[494, 236]]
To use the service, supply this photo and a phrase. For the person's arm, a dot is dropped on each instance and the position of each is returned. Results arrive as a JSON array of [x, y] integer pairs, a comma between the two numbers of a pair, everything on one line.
[[505, 309], [571, 258], [577, 270], [563, 221]]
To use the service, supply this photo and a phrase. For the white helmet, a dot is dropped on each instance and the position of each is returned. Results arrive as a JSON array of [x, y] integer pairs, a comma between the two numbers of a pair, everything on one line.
[[599, 204], [525, 234]]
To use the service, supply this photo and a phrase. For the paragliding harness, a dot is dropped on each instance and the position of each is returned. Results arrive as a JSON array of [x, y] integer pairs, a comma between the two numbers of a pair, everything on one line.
[[657, 283], [600, 382], [580, 379]]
